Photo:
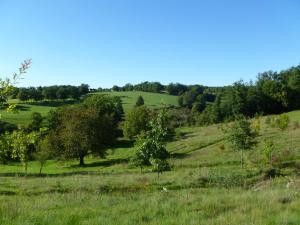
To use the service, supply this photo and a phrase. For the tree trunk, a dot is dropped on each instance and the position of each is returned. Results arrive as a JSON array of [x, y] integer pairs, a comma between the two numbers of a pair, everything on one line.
[[81, 163], [41, 168]]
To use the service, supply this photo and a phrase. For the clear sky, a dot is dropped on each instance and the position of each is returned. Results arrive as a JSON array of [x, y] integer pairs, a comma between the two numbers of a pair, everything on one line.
[[106, 42]]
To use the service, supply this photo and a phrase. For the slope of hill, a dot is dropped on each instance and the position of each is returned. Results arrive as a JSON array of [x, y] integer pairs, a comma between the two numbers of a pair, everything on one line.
[[205, 186], [153, 100]]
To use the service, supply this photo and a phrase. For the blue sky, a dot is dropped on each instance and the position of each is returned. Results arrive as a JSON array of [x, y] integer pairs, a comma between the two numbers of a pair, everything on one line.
[[106, 42]]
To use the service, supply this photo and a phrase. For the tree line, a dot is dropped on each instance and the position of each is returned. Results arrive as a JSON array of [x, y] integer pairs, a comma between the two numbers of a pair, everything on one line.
[[55, 92], [272, 93]]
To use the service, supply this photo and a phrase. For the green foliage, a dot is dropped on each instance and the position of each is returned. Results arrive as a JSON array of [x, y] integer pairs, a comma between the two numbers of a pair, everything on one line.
[[7, 127], [241, 136], [43, 152], [55, 92], [22, 144], [136, 121], [7, 85], [282, 122], [159, 165], [88, 128], [5, 148], [139, 101], [269, 150], [105, 104], [83, 131], [150, 146], [53, 120], [36, 121]]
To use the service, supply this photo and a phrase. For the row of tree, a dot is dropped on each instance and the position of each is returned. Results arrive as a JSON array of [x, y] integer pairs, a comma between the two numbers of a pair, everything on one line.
[[154, 87], [272, 93], [56, 92]]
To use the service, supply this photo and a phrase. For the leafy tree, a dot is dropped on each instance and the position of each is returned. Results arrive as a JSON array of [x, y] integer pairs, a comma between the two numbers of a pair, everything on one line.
[[22, 143], [150, 146], [81, 131], [176, 89], [159, 165], [269, 150], [136, 121], [128, 87], [199, 104], [83, 89], [241, 136], [116, 88], [105, 104], [139, 101], [23, 94], [44, 152], [35, 121], [62, 93], [148, 150], [53, 119]]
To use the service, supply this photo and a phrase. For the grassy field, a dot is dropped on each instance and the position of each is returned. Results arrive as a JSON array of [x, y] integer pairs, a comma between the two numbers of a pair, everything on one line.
[[206, 186], [152, 100]]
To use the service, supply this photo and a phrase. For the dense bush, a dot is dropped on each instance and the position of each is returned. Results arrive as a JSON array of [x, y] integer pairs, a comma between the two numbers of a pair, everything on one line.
[[137, 121]]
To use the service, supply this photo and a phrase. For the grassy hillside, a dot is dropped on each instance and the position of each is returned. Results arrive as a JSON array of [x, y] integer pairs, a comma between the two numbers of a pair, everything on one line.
[[24, 112], [206, 186], [153, 100]]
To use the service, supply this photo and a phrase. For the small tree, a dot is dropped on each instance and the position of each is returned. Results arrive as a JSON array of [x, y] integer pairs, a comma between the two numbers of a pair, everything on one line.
[[282, 122], [150, 146], [139, 101], [43, 152], [269, 150], [22, 143], [7, 84], [160, 165], [241, 136]]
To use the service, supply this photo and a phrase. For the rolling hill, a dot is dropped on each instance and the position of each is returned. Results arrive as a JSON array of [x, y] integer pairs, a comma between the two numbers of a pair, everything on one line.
[[152, 100], [205, 186]]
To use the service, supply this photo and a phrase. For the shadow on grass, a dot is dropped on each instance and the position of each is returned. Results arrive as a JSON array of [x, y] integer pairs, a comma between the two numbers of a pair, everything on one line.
[[65, 174], [22, 108], [52, 103], [105, 163], [179, 155], [124, 144]]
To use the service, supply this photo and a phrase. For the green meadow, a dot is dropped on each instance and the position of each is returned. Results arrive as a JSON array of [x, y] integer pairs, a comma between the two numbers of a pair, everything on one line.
[[205, 186], [152, 100], [25, 109]]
